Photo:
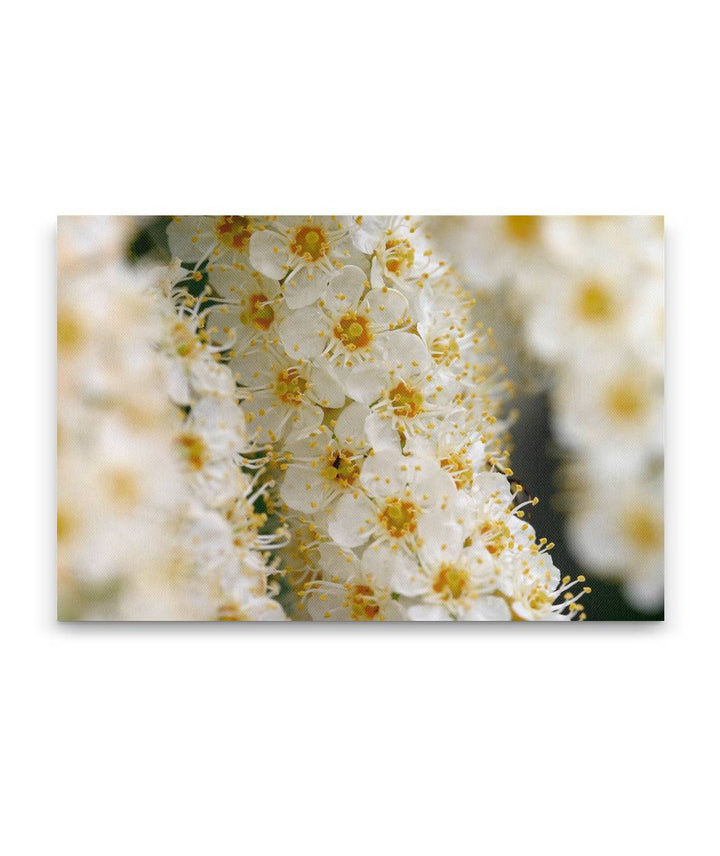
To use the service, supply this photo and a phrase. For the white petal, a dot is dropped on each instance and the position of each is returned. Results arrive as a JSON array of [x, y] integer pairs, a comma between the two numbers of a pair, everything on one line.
[[366, 383], [345, 290], [318, 444], [304, 419], [269, 253], [178, 383], [255, 369], [352, 520], [376, 277], [381, 434], [336, 562], [191, 238], [304, 333], [210, 377], [488, 609], [385, 473], [389, 565], [264, 417], [405, 350], [442, 539], [350, 426], [324, 389], [387, 307], [304, 488], [367, 236], [434, 487], [428, 612], [305, 286]]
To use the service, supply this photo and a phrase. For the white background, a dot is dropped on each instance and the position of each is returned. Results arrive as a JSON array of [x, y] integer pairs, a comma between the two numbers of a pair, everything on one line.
[[307, 739]]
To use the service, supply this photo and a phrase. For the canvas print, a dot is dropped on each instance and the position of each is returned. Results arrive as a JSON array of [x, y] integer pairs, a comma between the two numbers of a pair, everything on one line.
[[360, 418]]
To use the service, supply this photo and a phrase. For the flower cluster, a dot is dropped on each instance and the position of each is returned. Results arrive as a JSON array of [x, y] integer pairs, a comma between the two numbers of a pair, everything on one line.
[[221, 528], [119, 487], [154, 512], [590, 293], [377, 410]]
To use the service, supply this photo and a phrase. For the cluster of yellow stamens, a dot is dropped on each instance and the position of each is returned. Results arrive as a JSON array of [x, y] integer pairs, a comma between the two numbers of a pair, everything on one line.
[[406, 401], [193, 449], [310, 242], [290, 386], [260, 313], [451, 582], [342, 469], [399, 517], [234, 232], [399, 256], [362, 603], [353, 331]]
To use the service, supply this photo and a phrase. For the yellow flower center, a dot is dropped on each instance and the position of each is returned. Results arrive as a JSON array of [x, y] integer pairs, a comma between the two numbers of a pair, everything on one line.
[[353, 331], [406, 401], [451, 582], [399, 256], [310, 242], [626, 401], [644, 529], [123, 487], [495, 534], [342, 469], [539, 598], [522, 229], [261, 312], [459, 468], [445, 350], [290, 386], [595, 302], [399, 517], [193, 449], [362, 603], [70, 332], [234, 232]]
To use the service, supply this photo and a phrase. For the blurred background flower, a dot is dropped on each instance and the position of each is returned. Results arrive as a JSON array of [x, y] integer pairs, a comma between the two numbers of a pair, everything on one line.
[[578, 309]]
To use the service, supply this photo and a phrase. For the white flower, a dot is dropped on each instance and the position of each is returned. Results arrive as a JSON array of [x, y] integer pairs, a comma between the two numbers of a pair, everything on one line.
[[459, 446], [349, 590], [348, 326], [210, 442], [532, 587], [444, 325], [284, 398], [404, 391], [616, 530], [90, 241], [396, 491], [222, 240], [191, 361], [491, 252], [323, 465], [594, 301], [249, 310], [451, 580], [614, 408], [303, 252], [400, 249]]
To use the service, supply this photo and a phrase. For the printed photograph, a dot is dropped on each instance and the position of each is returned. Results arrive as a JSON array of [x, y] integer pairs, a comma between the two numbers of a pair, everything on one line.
[[360, 418]]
